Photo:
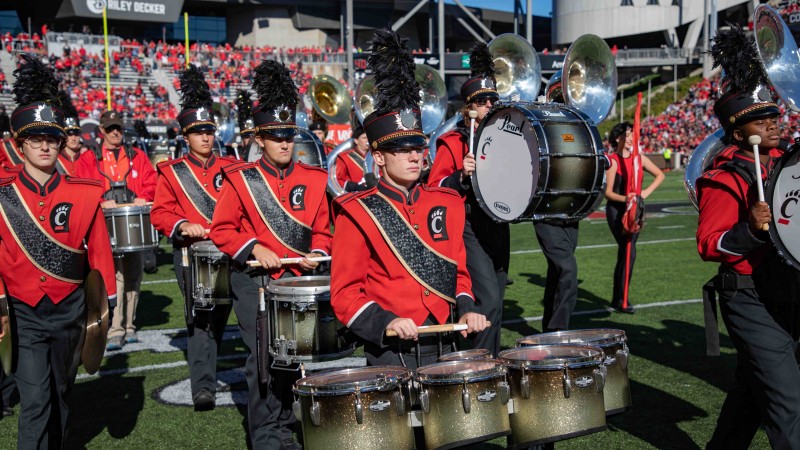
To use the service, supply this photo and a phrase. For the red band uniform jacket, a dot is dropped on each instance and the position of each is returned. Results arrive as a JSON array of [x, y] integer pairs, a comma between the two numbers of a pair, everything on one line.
[[139, 173], [301, 208], [725, 199], [370, 285], [451, 148], [187, 191], [349, 169], [10, 154], [48, 234], [67, 166]]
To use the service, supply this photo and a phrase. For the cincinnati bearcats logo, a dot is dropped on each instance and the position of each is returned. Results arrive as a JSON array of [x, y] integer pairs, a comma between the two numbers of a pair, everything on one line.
[[437, 223], [788, 206], [218, 182], [59, 217], [297, 198]]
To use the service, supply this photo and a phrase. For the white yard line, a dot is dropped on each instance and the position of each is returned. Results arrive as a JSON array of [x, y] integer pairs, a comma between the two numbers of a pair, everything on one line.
[[588, 247]]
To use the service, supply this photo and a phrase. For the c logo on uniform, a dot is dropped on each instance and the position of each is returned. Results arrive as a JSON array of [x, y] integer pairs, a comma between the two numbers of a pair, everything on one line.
[[437, 223], [59, 217], [218, 182], [297, 198]]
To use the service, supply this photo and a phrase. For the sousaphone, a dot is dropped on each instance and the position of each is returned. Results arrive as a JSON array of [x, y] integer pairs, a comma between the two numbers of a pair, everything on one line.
[[330, 99]]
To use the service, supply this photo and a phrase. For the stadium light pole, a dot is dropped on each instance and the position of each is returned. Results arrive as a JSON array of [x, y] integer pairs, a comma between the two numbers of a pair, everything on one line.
[[350, 69], [440, 30], [706, 58]]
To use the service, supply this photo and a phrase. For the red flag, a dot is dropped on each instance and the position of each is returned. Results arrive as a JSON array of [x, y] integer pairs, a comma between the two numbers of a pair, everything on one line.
[[635, 182]]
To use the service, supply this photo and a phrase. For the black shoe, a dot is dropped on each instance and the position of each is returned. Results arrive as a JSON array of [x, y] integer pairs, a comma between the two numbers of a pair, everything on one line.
[[617, 307], [509, 281], [291, 444], [6, 412], [203, 400]]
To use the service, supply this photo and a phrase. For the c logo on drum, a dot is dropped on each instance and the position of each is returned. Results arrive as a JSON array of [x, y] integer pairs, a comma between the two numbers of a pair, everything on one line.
[[437, 223], [792, 198], [297, 198], [59, 217], [485, 145]]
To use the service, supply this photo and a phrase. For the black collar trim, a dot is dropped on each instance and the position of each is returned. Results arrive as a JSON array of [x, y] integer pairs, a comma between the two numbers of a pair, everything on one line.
[[34, 186]]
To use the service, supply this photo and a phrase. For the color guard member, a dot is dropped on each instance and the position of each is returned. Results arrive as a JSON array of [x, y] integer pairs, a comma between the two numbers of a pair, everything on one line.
[[186, 196], [268, 210], [399, 260], [50, 229]]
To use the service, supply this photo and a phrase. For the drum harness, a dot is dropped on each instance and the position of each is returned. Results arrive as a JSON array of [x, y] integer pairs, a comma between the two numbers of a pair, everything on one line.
[[118, 190], [725, 280]]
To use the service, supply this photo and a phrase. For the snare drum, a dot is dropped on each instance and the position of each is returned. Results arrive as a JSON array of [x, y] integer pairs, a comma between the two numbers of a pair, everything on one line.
[[557, 392], [211, 276], [467, 355], [303, 326], [538, 161], [463, 402], [130, 229], [363, 408], [614, 344]]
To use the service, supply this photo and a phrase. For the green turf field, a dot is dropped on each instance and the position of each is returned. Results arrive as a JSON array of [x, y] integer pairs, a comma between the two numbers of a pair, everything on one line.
[[677, 391]]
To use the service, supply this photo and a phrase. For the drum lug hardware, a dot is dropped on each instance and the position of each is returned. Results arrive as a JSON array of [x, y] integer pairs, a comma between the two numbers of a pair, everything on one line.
[[600, 377], [567, 384], [315, 416], [525, 386], [297, 409], [465, 398], [504, 391], [424, 401], [622, 356], [359, 409], [399, 402]]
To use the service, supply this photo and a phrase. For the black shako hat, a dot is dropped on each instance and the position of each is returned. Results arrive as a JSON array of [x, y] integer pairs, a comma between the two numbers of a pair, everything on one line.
[[71, 121], [481, 83], [196, 101], [748, 96], [36, 94], [396, 121], [277, 100], [244, 113]]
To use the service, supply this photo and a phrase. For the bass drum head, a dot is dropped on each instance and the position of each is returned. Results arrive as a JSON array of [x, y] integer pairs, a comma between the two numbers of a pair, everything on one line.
[[506, 164], [309, 150], [783, 196]]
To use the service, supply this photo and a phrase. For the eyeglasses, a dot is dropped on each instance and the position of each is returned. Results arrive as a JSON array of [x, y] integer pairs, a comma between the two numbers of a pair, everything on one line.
[[484, 102], [37, 142], [405, 153]]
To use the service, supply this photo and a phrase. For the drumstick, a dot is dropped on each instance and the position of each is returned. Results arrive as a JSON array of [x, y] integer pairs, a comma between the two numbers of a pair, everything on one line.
[[755, 141], [427, 329], [206, 230], [256, 263], [472, 116], [235, 151], [123, 205]]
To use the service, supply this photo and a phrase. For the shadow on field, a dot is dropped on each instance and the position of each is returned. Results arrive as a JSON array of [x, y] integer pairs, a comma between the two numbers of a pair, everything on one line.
[[111, 402], [152, 309], [584, 297]]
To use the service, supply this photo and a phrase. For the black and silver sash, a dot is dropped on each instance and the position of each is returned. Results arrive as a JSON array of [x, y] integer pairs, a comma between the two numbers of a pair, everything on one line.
[[55, 258], [12, 153], [362, 164], [294, 234], [433, 270], [201, 200]]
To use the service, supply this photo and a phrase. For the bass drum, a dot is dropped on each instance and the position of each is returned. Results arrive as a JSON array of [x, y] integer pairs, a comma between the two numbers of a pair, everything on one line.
[[538, 161], [308, 149], [783, 196]]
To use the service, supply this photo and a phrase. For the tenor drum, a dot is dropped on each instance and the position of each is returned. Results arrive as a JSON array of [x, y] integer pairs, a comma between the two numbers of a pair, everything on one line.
[[557, 392], [160, 155], [783, 196], [463, 402], [614, 344], [364, 408], [537, 161], [130, 229], [467, 355], [210, 275], [303, 326]]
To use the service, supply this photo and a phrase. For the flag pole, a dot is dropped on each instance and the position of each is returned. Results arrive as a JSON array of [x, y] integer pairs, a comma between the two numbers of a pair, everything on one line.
[[108, 67], [186, 35]]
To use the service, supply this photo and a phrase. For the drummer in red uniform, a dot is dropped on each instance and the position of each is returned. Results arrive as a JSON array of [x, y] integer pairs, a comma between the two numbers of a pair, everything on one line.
[[759, 293], [68, 158], [399, 259], [128, 177], [351, 166], [51, 228], [268, 210], [186, 196]]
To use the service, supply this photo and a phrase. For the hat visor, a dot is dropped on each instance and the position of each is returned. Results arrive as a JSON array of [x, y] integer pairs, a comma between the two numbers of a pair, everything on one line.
[[758, 114], [43, 131], [404, 142], [201, 127], [282, 132]]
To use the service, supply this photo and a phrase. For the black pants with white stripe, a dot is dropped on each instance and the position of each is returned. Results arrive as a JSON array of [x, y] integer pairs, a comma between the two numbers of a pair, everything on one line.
[[558, 243]]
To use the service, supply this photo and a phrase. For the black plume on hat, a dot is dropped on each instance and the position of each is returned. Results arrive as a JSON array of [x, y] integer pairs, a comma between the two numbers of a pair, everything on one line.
[[736, 53], [244, 106], [273, 85], [66, 104], [481, 62], [35, 82], [194, 89], [394, 66]]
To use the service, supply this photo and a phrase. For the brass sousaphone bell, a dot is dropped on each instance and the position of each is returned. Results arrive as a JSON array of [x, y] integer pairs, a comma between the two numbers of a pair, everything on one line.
[[330, 99]]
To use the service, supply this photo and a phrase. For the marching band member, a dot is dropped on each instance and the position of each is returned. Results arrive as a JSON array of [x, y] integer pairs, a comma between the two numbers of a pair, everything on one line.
[[487, 242], [68, 158], [320, 129], [758, 292], [244, 115], [271, 209], [186, 196], [51, 227], [351, 165], [399, 259], [127, 176]]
